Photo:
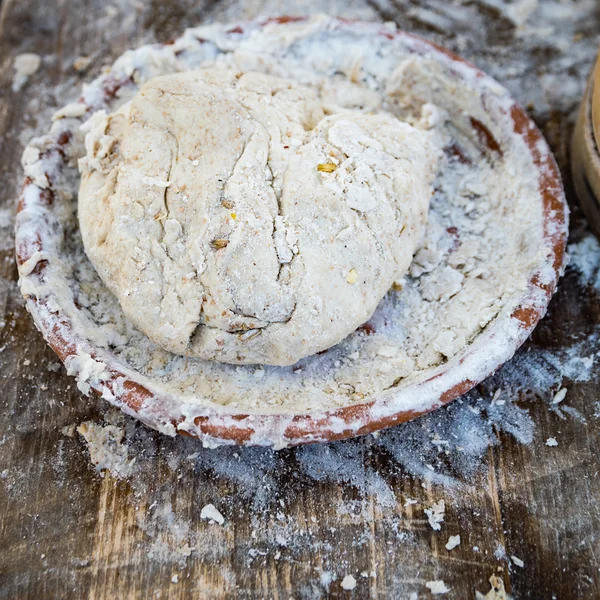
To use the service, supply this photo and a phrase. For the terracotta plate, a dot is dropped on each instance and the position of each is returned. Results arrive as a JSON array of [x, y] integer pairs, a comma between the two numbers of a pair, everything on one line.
[[39, 245]]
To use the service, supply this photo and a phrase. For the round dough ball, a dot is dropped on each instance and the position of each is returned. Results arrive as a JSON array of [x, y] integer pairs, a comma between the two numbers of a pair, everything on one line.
[[235, 221]]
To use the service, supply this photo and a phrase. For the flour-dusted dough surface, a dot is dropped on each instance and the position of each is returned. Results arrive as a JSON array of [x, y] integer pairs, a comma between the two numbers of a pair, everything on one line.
[[234, 220]]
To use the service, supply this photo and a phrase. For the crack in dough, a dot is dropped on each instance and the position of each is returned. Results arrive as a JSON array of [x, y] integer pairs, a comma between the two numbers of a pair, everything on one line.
[[235, 221]]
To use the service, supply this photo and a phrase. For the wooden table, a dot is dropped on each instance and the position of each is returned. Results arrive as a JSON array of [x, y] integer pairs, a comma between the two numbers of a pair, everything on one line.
[[296, 522]]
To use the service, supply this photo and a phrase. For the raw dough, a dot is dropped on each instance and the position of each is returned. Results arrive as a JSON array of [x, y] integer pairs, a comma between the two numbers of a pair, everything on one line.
[[235, 221]]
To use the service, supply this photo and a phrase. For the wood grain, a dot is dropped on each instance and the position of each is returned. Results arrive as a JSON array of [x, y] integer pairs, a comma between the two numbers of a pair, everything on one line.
[[66, 532]]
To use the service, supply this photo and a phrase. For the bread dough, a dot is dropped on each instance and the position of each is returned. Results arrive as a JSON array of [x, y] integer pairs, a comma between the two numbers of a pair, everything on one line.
[[235, 221]]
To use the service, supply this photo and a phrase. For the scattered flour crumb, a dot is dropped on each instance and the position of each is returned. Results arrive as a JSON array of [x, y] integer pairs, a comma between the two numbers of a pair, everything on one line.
[[453, 541], [587, 361], [88, 370], [517, 561], [68, 430], [25, 66], [348, 583], [26, 362], [497, 591], [81, 63], [210, 512], [500, 552], [559, 396], [435, 515], [437, 587], [107, 452], [326, 578], [175, 579], [520, 10], [551, 442]]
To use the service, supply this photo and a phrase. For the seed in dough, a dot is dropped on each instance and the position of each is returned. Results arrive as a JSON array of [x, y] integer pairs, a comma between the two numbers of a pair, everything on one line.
[[236, 222]]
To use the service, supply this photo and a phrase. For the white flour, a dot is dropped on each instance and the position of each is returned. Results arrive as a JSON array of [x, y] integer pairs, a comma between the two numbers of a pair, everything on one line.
[[25, 66], [6, 225], [585, 257], [107, 452]]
